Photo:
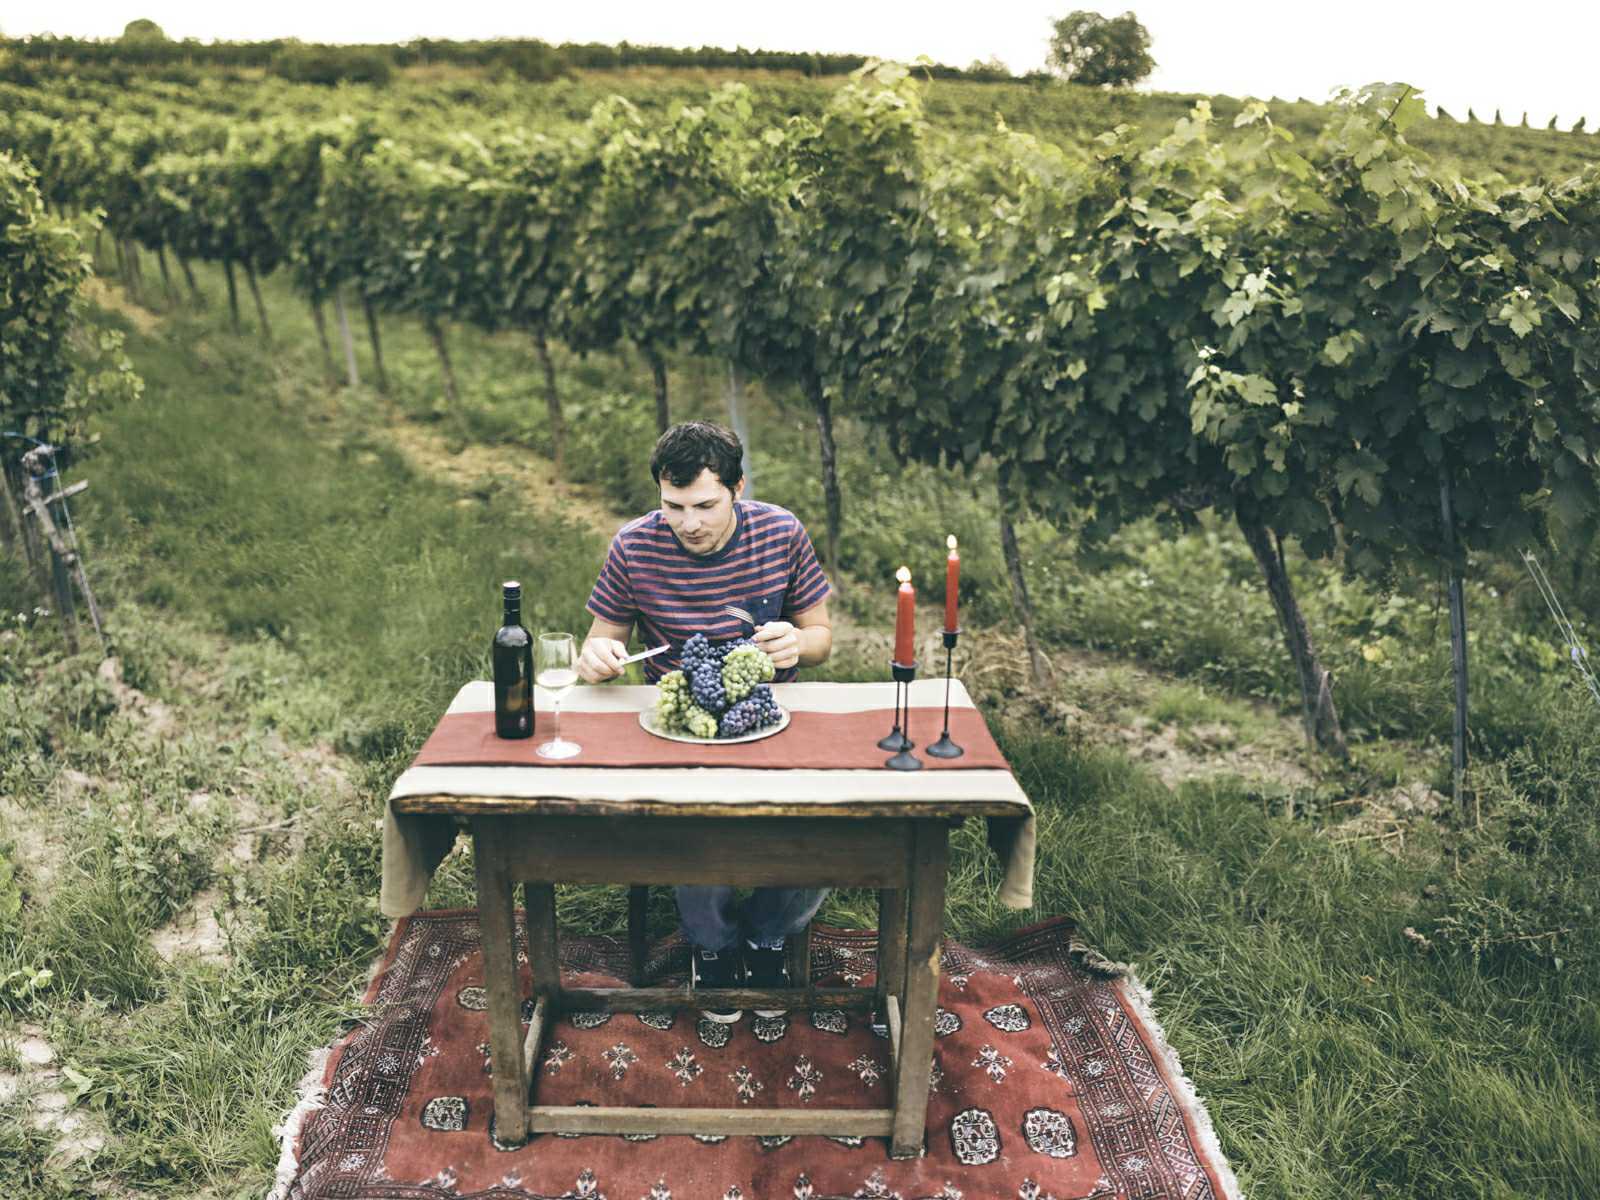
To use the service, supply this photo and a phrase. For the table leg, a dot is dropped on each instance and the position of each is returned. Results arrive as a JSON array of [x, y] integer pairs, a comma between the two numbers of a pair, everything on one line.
[[924, 936], [799, 958], [498, 936], [891, 945], [638, 936], [539, 899]]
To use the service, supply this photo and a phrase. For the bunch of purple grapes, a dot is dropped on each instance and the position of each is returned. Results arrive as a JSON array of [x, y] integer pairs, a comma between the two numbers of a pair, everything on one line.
[[705, 685], [702, 666], [700, 650], [756, 711]]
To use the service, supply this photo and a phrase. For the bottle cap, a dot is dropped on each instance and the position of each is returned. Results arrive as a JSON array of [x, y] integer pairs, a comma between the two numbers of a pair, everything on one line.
[[511, 589]]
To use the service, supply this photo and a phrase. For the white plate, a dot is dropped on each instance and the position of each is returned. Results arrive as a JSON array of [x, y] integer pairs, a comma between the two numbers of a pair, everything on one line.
[[647, 719]]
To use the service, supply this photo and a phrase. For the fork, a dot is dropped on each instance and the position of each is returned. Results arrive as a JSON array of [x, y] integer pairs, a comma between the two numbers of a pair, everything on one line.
[[742, 614]]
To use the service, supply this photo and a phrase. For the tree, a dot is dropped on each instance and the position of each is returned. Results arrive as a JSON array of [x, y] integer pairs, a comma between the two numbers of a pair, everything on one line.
[[143, 29], [1088, 48]]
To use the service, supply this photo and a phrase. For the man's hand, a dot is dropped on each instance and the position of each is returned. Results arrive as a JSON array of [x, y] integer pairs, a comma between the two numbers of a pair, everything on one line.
[[781, 641], [601, 659]]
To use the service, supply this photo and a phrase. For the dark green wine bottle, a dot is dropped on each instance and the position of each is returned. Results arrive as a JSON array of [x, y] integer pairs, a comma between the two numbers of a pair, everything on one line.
[[513, 670]]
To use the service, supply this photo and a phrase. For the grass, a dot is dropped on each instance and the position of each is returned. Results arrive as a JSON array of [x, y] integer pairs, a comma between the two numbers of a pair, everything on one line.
[[281, 580]]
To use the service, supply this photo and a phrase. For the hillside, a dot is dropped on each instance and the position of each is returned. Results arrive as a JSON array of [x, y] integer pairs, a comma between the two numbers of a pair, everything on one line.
[[960, 101]]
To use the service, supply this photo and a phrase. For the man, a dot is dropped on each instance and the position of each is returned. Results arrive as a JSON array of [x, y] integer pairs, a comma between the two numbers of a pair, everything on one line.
[[676, 572]]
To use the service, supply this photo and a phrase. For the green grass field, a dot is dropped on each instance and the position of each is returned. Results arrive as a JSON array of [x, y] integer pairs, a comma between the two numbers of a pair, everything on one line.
[[1373, 999]]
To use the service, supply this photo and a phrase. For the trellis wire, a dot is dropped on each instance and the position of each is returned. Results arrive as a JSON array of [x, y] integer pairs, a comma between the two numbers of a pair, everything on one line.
[[1576, 654]]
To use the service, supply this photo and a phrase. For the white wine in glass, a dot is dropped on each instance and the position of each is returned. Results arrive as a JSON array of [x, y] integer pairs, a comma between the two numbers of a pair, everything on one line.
[[557, 671]]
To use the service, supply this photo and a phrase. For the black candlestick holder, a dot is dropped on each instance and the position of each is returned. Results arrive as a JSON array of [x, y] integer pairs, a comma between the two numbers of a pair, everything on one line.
[[944, 747], [897, 741]]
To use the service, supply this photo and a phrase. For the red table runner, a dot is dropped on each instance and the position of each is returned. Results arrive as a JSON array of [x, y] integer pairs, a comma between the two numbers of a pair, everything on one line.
[[827, 740]]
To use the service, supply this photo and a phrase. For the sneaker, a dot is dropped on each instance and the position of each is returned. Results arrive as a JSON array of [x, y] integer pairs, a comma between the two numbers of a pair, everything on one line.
[[766, 969], [713, 969]]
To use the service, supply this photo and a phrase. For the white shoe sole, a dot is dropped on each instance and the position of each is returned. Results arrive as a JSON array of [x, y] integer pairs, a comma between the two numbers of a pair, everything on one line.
[[721, 1018]]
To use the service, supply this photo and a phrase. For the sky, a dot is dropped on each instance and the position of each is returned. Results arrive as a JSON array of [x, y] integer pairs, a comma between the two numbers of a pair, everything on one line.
[[1534, 56]]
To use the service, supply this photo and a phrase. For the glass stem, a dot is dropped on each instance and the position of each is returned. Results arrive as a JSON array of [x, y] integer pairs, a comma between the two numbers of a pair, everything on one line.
[[557, 739]]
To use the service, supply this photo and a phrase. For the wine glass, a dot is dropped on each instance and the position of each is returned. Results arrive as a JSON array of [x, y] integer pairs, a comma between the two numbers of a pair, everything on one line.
[[556, 672]]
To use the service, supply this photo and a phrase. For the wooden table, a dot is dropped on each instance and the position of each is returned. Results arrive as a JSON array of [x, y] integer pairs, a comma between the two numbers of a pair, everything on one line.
[[540, 826]]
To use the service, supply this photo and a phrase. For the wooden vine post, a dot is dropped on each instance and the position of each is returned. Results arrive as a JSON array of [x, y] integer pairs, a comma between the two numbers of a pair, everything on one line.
[[166, 276], [354, 377], [832, 497], [440, 347], [658, 373], [377, 344], [233, 294], [552, 397], [319, 320], [194, 289], [1458, 641], [1039, 668], [61, 541], [261, 309], [740, 424]]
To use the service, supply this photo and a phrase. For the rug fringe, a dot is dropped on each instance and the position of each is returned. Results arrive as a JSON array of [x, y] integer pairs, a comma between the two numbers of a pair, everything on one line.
[[1198, 1118], [1091, 959], [313, 1093]]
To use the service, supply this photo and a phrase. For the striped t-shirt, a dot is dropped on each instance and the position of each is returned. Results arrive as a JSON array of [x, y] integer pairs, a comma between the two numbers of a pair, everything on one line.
[[767, 568]]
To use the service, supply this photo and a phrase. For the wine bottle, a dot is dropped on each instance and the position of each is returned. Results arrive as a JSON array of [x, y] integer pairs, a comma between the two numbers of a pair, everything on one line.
[[513, 669]]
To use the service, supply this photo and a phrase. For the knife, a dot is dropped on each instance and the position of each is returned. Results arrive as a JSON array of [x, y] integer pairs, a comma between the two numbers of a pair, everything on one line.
[[646, 654]]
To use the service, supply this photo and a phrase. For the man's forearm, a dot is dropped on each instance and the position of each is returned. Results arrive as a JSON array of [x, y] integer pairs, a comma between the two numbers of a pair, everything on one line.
[[816, 643]]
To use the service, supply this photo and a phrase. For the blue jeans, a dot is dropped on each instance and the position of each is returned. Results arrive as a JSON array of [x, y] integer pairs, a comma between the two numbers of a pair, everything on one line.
[[713, 921]]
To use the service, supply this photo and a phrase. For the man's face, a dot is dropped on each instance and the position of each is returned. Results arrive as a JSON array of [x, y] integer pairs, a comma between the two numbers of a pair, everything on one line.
[[701, 512]]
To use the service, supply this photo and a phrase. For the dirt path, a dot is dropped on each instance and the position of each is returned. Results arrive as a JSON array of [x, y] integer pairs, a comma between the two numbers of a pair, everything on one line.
[[474, 467]]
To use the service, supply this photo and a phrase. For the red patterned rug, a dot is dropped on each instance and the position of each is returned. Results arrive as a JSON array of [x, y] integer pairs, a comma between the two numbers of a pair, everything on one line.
[[1051, 1081]]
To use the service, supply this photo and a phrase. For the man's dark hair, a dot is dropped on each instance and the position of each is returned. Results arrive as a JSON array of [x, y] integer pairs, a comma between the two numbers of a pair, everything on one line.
[[685, 450]]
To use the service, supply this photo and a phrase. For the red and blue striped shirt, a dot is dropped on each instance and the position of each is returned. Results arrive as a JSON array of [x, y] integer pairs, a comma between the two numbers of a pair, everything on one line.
[[768, 568]]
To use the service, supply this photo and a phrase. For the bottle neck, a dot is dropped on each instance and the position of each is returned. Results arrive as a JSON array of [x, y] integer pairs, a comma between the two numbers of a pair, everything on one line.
[[513, 612]]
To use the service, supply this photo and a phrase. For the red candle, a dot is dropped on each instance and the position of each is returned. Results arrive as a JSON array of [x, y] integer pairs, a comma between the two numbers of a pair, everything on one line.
[[905, 651], [952, 585]]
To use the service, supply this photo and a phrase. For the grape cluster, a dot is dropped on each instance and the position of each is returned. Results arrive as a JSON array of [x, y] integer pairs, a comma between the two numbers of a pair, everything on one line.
[[673, 700], [700, 651], [744, 668], [721, 691], [706, 684], [756, 711], [701, 724]]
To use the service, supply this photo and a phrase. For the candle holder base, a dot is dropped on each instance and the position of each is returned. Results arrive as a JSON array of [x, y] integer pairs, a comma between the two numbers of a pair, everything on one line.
[[896, 741], [904, 761], [944, 747]]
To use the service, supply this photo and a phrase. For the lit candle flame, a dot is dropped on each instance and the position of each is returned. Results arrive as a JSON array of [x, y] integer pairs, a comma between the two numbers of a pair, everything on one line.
[[951, 542], [903, 574]]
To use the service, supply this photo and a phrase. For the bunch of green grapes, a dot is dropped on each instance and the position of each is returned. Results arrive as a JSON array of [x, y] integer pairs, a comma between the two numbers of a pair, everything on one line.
[[676, 711], [744, 668], [673, 701], [701, 724]]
